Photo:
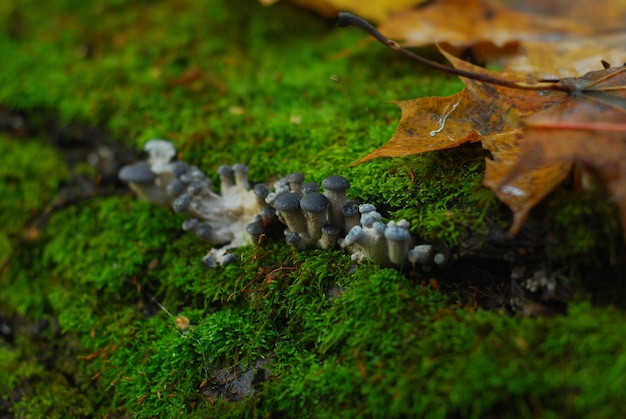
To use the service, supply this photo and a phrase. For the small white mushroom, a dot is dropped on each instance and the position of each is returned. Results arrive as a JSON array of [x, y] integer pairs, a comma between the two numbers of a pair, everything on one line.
[[372, 240], [422, 254], [442, 257], [398, 238], [160, 153], [141, 179]]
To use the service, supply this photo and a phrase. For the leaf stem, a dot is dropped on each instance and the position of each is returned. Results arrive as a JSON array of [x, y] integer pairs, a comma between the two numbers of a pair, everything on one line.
[[348, 19]]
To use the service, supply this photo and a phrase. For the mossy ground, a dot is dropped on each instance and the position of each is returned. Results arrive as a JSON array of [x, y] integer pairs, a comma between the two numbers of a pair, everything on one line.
[[92, 283]]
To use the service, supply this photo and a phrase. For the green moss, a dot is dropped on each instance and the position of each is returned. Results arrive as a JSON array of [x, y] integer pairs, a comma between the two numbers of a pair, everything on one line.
[[29, 181], [281, 90]]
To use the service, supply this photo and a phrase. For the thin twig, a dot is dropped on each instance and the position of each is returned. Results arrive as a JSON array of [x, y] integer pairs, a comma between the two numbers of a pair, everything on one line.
[[349, 19]]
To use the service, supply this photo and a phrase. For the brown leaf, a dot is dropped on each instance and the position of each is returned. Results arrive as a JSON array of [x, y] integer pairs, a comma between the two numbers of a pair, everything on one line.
[[566, 58], [374, 10], [525, 191], [464, 23], [588, 128], [535, 130], [436, 123], [601, 15]]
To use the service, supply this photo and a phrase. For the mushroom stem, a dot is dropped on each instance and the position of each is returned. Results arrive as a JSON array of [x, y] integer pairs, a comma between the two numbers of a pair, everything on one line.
[[227, 177], [241, 176], [330, 232]]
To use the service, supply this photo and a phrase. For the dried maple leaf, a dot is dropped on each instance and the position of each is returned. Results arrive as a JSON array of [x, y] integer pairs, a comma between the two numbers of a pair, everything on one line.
[[574, 120], [464, 23], [588, 128], [481, 109]]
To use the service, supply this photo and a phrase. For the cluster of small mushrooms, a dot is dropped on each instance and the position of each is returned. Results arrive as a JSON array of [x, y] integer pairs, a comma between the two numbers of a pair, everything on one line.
[[240, 215]]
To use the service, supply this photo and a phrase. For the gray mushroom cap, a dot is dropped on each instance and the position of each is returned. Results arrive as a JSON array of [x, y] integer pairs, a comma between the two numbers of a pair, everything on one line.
[[240, 168], [287, 202], [292, 238], [314, 202], [350, 209], [268, 214], [296, 177], [179, 167], [229, 258], [330, 229], [181, 203], [175, 187], [190, 224], [295, 181], [225, 170], [210, 261], [255, 228], [261, 190], [137, 173], [336, 183], [198, 186], [396, 233], [309, 187], [204, 232]]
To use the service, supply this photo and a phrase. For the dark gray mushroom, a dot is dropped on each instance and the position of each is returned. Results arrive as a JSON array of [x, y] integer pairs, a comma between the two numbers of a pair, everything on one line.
[[335, 188], [255, 230], [229, 258], [182, 203], [288, 209], [204, 232], [261, 191], [315, 207], [175, 188], [268, 214], [351, 215], [227, 177], [179, 167], [210, 261], [294, 239], [190, 224], [199, 187], [295, 181], [309, 187], [141, 179]]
